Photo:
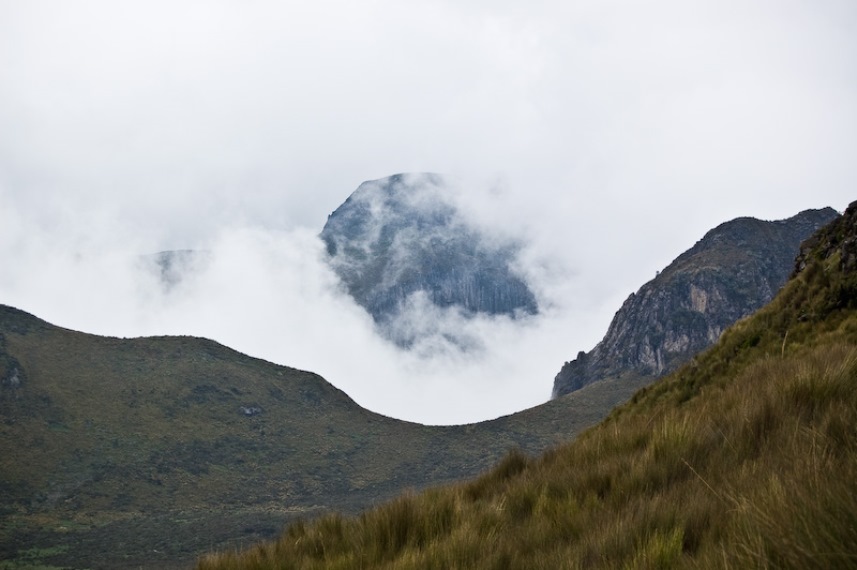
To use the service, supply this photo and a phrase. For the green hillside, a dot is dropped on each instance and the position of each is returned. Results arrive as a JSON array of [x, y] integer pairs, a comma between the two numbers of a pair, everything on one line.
[[145, 453], [744, 458]]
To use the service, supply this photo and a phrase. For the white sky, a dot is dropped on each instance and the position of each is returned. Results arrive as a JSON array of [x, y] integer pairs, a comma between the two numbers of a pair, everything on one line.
[[610, 134]]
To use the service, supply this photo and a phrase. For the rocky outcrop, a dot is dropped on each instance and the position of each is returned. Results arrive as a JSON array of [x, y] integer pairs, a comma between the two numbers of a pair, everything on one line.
[[730, 273], [402, 236]]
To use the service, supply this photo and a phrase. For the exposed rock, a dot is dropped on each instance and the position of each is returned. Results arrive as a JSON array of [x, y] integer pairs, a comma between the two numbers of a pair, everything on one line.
[[731, 272], [402, 235], [14, 380], [251, 411]]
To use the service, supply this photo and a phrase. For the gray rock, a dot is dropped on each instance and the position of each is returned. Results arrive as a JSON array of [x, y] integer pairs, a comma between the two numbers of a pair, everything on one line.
[[734, 270], [251, 411], [402, 235]]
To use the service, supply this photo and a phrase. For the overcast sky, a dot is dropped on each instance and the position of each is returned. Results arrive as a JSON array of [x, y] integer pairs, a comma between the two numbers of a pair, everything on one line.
[[608, 134]]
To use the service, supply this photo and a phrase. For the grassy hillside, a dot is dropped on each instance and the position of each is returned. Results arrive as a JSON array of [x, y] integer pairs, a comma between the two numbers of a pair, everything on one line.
[[744, 458], [146, 452]]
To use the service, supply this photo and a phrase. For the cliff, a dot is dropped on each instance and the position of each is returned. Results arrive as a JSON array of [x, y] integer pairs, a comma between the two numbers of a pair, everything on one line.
[[402, 236], [734, 270]]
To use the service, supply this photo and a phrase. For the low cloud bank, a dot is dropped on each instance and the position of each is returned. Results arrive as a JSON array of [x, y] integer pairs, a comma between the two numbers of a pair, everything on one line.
[[608, 137], [270, 294]]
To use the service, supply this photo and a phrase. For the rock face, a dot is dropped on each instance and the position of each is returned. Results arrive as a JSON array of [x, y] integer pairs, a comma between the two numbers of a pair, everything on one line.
[[401, 237], [731, 272]]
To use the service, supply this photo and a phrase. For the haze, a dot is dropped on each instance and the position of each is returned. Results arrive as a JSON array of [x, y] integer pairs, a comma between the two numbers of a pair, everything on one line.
[[610, 136]]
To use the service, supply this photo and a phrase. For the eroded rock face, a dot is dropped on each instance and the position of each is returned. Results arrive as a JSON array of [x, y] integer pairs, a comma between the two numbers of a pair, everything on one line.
[[402, 236], [730, 273]]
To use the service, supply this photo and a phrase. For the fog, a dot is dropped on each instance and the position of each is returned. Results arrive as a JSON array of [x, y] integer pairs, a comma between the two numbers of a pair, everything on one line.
[[608, 136]]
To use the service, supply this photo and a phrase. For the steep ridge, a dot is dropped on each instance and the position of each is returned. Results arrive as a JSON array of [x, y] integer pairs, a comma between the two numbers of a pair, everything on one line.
[[143, 452], [401, 237], [731, 272], [743, 458]]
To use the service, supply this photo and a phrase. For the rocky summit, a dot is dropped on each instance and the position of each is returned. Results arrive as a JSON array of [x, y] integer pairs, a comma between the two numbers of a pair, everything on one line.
[[401, 241], [734, 270]]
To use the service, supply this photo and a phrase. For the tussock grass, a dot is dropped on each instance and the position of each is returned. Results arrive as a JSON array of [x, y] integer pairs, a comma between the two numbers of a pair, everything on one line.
[[744, 458], [759, 472]]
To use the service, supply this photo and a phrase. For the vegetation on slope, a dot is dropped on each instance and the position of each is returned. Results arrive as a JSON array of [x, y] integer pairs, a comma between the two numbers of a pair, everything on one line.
[[145, 452], [744, 458]]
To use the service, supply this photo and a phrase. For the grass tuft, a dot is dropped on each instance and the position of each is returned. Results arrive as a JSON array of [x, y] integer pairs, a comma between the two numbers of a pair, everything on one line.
[[745, 458]]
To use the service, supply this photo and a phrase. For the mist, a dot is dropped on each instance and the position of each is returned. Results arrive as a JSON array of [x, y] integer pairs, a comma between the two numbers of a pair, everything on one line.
[[606, 136], [271, 295]]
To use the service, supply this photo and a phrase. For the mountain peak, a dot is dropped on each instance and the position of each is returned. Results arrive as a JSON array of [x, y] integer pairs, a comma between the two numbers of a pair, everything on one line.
[[731, 272], [401, 241]]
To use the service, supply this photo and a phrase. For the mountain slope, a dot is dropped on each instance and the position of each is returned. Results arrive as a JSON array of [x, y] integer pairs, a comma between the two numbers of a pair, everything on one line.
[[115, 448], [731, 272], [402, 236], [745, 458]]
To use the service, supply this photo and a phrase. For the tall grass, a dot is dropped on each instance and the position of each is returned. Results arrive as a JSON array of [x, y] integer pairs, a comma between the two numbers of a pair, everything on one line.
[[745, 458], [758, 471]]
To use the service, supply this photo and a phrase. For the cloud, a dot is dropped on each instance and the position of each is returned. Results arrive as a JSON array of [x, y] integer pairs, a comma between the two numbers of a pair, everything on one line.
[[611, 135], [271, 295]]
